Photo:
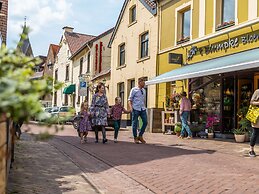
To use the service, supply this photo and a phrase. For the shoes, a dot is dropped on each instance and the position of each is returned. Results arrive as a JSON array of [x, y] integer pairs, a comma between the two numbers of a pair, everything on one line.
[[252, 154], [104, 141], [96, 141], [141, 140], [115, 141], [136, 140], [180, 137], [189, 137], [82, 141]]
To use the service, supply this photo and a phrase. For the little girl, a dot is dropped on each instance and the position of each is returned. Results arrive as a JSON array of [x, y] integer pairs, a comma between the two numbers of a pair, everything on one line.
[[116, 112], [84, 124]]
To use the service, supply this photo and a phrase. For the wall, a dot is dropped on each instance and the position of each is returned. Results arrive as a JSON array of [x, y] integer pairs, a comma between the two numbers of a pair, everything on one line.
[[135, 68]]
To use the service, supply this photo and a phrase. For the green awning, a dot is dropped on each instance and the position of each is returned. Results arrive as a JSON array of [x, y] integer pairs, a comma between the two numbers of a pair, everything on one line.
[[231, 63], [69, 89]]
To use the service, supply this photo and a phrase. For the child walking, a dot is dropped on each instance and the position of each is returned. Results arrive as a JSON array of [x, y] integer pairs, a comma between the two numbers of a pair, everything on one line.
[[116, 112], [84, 124]]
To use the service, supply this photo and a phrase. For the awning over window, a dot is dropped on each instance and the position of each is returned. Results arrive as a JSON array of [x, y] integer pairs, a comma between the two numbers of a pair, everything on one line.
[[69, 89], [236, 62]]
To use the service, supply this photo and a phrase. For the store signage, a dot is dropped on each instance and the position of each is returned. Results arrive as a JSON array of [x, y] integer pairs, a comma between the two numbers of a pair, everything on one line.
[[175, 58], [82, 88], [231, 43]]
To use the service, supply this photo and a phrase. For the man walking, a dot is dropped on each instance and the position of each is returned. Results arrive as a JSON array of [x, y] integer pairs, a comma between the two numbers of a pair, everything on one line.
[[137, 107], [185, 109]]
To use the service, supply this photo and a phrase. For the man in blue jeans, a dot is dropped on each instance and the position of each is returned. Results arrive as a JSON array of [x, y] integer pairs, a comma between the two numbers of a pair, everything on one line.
[[138, 109]]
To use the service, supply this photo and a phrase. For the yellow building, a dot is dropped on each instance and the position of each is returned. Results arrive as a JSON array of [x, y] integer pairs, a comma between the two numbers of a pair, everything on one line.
[[209, 48], [134, 51]]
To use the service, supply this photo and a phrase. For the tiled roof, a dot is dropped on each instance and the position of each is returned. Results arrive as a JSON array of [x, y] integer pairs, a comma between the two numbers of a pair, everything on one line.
[[76, 40], [55, 49]]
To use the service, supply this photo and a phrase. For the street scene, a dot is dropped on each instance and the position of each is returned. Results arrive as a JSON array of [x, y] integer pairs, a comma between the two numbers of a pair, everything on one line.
[[129, 96]]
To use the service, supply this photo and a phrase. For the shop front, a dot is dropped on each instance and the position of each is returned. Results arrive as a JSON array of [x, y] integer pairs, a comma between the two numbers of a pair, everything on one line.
[[219, 74]]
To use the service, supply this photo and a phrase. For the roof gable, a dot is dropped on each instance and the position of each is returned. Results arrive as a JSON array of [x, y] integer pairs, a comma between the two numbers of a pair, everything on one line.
[[76, 40], [151, 6]]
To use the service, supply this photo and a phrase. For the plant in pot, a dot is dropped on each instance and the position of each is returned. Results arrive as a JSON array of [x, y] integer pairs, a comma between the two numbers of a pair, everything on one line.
[[239, 134], [178, 128], [211, 119], [210, 133]]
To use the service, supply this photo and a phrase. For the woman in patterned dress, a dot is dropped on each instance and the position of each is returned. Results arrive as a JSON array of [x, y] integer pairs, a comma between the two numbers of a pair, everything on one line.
[[84, 124], [99, 111]]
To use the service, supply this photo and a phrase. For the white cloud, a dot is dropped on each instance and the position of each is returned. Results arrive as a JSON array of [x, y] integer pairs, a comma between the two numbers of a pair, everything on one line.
[[39, 13]]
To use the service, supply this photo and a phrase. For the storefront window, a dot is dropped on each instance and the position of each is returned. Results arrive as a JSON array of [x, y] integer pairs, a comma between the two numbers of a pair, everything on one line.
[[206, 104]]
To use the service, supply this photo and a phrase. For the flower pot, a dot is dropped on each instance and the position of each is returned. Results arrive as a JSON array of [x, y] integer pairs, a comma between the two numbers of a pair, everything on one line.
[[210, 135], [240, 138]]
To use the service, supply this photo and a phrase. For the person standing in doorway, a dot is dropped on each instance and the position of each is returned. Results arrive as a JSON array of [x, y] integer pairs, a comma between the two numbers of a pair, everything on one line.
[[99, 111], [255, 135], [137, 107], [185, 108]]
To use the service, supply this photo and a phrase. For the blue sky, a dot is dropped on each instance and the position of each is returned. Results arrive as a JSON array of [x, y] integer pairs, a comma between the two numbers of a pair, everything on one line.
[[47, 17]]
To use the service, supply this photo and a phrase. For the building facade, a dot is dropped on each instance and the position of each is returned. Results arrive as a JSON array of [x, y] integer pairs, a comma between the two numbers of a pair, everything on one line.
[[208, 48], [134, 51], [3, 20], [63, 68], [91, 64]]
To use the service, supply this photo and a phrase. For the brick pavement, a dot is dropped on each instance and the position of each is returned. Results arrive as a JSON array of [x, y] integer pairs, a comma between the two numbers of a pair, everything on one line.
[[164, 165], [39, 168]]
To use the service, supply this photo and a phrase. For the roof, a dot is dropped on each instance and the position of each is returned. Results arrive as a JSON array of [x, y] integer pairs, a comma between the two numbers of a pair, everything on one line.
[[151, 6], [230, 63], [102, 73], [76, 40], [91, 41], [37, 75], [55, 49]]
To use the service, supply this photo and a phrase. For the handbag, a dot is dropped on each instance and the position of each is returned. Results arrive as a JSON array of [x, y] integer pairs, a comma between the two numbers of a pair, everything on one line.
[[252, 113]]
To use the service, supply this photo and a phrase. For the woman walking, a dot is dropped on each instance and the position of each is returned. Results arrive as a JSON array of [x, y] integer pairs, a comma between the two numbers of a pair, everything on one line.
[[99, 111], [255, 135]]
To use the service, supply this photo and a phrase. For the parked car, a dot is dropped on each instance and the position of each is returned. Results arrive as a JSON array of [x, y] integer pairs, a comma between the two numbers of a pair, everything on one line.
[[66, 114]]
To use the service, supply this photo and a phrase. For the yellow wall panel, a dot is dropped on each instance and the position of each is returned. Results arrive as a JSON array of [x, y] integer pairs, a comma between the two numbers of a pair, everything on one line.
[[242, 10], [209, 16], [195, 19], [258, 8]]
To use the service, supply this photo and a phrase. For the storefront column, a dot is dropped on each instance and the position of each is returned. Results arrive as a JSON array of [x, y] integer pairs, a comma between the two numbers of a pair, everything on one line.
[[235, 100], [221, 105]]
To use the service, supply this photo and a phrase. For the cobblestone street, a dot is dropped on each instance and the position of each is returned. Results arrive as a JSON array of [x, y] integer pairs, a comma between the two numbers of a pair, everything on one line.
[[165, 164]]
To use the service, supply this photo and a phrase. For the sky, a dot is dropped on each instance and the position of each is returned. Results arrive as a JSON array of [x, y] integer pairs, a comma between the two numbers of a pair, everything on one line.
[[46, 18]]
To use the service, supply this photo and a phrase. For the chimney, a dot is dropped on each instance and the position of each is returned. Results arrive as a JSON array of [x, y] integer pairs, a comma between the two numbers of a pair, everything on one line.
[[68, 29]]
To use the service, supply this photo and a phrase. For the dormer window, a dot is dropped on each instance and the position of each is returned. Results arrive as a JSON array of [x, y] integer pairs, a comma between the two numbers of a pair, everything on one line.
[[132, 15]]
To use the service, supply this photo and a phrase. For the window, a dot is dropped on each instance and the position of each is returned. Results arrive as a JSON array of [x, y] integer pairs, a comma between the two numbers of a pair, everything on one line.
[[67, 53], [55, 99], [56, 75], [225, 13], [66, 100], [78, 100], [132, 16], [122, 54], [144, 45], [121, 92], [186, 25], [67, 73], [81, 66], [88, 63], [228, 10]]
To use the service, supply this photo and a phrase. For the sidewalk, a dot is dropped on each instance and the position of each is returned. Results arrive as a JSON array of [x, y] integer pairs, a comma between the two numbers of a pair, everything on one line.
[[41, 168]]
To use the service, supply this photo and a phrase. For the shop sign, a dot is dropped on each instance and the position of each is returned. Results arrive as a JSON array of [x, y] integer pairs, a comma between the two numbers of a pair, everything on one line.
[[82, 88], [231, 43], [175, 58]]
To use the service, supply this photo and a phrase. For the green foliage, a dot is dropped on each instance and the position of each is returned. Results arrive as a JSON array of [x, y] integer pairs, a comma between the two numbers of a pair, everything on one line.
[[239, 131], [19, 94], [177, 127]]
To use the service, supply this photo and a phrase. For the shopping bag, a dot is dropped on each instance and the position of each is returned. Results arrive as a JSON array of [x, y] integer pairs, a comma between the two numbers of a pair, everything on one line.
[[252, 113]]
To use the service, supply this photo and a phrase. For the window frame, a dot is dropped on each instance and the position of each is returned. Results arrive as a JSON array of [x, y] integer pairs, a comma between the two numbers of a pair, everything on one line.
[[121, 91], [131, 18], [88, 62], [81, 66], [120, 54], [67, 73], [144, 43], [56, 74], [179, 20]]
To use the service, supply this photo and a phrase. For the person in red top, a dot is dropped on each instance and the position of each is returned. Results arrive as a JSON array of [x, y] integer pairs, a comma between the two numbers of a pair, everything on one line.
[[116, 112]]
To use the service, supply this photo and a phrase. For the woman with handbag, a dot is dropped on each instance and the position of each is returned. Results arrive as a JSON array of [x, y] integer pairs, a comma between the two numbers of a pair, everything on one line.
[[254, 102]]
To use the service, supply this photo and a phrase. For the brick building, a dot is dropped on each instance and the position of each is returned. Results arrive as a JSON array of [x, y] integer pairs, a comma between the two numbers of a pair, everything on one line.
[[3, 20]]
